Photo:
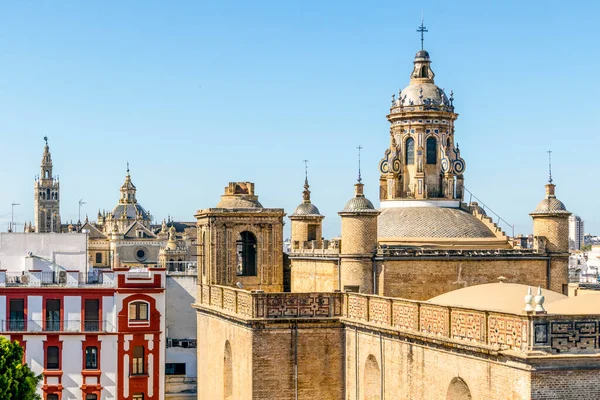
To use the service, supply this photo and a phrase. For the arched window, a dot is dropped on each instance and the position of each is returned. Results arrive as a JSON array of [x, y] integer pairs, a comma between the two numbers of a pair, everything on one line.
[[227, 373], [409, 151], [246, 252], [138, 311], [458, 390], [424, 71], [431, 150], [372, 379], [46, 174]]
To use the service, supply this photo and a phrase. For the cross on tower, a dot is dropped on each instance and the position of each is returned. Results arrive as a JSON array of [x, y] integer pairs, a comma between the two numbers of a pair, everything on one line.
[[359, 177], [549, 166], [422, 29]]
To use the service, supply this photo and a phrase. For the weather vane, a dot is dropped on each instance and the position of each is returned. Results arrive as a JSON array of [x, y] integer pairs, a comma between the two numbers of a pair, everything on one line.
[[422, 29], [46, 140], [549, 166], [359, 177]]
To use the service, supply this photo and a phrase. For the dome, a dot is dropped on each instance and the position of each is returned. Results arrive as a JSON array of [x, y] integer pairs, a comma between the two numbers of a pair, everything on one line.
[[239, 202], [306, 210], [129, 211], [430, 222], [422, 54], [551, 206], [423, 93], [359, 204], [503, 297]]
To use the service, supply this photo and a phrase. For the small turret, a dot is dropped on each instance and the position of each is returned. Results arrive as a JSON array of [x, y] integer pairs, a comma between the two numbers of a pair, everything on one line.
[[307, 222]]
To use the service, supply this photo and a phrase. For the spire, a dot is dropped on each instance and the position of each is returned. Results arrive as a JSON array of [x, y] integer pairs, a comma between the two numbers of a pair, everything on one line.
[[549, 166], [306, 192], [46, 165], [359, 177]]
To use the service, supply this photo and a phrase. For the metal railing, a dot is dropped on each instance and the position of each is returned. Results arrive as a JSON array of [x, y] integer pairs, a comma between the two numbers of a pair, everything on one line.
[[52, 325], [53, 278], [488, 209]]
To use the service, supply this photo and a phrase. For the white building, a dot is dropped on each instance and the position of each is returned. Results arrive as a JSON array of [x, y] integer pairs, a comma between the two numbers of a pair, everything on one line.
[[93, 334], [576, 233]]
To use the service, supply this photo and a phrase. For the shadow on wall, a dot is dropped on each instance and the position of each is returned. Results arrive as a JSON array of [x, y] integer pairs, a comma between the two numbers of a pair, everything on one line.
[[180, 316]]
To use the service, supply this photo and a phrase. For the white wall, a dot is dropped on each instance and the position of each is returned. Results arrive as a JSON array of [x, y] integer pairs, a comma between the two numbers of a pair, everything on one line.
[[72, 362], [180, 316], [108, 364], [34, 310], [72, 308], [65, 249]]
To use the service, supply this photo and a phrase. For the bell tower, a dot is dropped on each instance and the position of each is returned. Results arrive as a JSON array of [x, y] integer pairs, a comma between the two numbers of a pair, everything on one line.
[[47, 196]]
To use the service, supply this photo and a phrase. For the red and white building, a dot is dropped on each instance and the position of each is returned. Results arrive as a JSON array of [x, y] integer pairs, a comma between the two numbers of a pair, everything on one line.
[[93, 334]]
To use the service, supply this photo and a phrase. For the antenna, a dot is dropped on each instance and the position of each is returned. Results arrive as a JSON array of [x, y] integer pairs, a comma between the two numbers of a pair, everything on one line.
[[422, 29], [549, 166], [359, 177]]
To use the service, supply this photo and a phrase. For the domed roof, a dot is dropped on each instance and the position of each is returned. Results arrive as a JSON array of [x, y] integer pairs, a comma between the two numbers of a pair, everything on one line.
[[551, 206], [359, 204], [430, 222], [129, 211], [423, 93], [422, 54], [503, 297], [239, 202], [306, 210]]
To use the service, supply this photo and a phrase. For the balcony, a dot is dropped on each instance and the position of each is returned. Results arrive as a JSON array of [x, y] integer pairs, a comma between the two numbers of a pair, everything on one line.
[[60, 326], [59, 278]]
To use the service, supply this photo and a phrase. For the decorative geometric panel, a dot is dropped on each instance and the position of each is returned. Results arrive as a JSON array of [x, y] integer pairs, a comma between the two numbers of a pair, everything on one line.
[[434, 320], [507, 331], [229, 300], [294, 305], [379, 310], [405, 315], [357, 307], [244, 304], [574, 336], [468, 325], [216, 296]]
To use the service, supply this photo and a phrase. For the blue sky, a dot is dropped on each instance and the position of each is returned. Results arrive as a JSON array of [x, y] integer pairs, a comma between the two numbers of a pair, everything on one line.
[[196, 94]]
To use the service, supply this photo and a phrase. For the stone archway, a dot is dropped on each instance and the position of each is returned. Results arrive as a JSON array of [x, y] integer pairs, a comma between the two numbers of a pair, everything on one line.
[[372, 379], [227, 372], [458, 390]]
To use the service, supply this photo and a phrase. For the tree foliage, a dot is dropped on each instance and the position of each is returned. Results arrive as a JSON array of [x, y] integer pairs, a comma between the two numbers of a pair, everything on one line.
[[17, 381]]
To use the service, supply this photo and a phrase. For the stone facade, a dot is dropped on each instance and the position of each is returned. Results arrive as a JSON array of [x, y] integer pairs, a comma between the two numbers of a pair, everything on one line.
[[46, 197]]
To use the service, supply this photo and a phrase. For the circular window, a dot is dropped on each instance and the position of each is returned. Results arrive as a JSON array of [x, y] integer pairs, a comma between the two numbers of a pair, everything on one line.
[[141, 254]]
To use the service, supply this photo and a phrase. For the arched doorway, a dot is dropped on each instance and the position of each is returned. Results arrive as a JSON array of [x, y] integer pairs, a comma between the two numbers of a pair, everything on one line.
[[372, 379], [458, 390], [227, 373]]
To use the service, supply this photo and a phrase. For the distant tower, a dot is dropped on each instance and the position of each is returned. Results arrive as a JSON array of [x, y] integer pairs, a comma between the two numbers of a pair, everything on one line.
[[359, 242], [47, 196], [307, 221], [551, 235]]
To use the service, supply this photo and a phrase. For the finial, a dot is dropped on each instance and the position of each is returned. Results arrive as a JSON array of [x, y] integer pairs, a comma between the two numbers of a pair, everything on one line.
[[393, 100], [127, 168], [528, 301], [451, 97], [306, 192], [422, 29], [359, 177], [549, 166], [46, 140], [539, 302]]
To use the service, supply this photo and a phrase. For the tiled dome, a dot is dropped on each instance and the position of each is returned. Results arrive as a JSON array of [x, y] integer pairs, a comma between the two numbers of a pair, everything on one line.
[[306, 210]]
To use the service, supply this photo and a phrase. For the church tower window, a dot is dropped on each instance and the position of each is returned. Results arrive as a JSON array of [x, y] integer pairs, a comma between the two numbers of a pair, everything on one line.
[[246, 250], [431, 150], [410, 151]]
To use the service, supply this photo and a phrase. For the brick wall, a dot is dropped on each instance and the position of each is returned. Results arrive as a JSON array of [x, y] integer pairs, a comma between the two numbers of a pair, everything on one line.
[[314, 275], [565, 385], [424, 279], [556, 231], [359, 234]]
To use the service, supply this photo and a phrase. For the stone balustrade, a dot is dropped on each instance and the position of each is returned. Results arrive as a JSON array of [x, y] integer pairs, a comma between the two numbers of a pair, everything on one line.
[[496, 330]]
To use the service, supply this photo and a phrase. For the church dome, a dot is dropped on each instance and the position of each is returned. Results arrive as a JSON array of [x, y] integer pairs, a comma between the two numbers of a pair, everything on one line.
[[306, 210], [423, 93], [239, 202], [430, 222], [422, 54], [129, 211]]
